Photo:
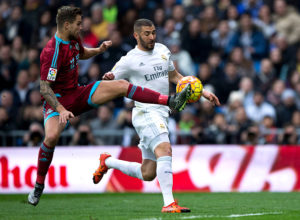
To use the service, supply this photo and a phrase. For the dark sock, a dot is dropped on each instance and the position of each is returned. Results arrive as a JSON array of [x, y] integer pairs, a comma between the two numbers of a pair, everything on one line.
[[44, 161], [145, 95]]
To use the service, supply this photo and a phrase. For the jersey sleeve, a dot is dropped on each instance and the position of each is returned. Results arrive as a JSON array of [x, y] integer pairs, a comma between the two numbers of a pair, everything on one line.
[[49, 64], [171, 66], [121, 69]]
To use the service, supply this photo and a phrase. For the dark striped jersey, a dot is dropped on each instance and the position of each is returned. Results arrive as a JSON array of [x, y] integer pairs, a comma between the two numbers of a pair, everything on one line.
[[59, 63]]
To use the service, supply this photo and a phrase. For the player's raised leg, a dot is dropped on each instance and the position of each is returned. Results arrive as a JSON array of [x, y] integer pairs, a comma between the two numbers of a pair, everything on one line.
[[53, 130], [108, 90], [163, 153]]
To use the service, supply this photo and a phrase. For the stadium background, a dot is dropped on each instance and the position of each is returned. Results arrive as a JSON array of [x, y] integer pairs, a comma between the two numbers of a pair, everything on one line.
[[238, 147]]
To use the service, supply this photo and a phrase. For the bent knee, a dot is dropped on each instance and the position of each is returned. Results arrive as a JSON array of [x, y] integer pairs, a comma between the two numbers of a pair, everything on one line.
[[51, 139], [163, 149], [149, 176], [122, 86]]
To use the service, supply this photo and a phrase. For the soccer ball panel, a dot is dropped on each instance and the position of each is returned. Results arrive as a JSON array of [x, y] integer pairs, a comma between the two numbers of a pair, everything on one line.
[[196, 87]]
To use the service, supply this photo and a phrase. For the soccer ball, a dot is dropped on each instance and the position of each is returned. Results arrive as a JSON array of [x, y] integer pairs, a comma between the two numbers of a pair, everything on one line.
[[196, 87]]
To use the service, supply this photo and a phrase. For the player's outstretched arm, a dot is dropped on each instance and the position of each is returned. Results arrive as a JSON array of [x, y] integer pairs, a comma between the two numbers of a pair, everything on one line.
[[211, 97], [51, 99], [90, 52]]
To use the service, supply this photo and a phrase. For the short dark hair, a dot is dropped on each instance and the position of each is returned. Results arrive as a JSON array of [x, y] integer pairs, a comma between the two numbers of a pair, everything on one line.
[[67, 14], [142, 22]]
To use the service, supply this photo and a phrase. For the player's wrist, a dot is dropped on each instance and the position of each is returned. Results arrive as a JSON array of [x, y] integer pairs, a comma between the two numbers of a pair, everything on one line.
[[60, 108]]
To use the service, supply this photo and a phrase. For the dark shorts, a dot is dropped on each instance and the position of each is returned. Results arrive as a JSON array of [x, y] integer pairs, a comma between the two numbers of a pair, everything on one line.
[[76, 101]]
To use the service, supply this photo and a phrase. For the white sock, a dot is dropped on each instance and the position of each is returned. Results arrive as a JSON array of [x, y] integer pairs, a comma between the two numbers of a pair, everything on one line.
[[130, 168], [165, 178]]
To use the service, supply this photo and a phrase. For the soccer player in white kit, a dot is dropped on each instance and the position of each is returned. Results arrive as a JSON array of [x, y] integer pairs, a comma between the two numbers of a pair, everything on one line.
[[149, 64]]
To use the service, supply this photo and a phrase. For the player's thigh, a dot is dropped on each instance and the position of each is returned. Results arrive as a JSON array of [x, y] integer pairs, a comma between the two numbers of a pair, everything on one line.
[[53, 130], [108, 90], [148, 169]]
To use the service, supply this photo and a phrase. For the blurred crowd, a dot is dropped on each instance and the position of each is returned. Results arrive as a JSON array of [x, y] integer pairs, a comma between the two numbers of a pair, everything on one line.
[[245, 51]]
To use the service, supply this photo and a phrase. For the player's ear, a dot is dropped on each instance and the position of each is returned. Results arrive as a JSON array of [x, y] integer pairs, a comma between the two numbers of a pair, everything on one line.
[[66, 25], [135, 35]]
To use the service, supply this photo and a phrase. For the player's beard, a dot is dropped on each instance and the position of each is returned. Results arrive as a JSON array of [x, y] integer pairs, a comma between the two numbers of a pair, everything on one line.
[[73, 36], [145, 45]]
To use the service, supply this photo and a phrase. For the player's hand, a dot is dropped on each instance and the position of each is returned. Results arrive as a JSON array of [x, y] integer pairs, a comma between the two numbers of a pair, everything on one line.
[[108, 76], [211, 97], [64, 116], [104, 46]]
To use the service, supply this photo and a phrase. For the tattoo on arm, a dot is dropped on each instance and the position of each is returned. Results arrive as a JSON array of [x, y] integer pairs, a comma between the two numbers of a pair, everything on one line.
[[48, 94]]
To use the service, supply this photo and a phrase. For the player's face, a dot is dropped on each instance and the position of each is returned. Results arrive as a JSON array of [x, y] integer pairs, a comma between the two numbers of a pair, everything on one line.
[[147, 37], [75, 28]]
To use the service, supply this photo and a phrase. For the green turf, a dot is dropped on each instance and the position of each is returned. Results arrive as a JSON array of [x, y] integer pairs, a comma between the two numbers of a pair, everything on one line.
[[147, 206]]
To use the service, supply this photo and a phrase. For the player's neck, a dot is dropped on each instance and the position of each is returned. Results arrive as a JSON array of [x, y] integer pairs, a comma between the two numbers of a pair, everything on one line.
[[63, 36], [142, 48]]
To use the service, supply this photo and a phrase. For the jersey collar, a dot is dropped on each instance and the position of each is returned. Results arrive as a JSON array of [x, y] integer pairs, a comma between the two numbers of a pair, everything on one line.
[[61, 40]]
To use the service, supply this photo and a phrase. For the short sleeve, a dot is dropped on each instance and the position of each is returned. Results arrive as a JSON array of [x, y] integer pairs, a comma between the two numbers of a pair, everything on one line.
[[171, 66], [121, 69], [49, 64]]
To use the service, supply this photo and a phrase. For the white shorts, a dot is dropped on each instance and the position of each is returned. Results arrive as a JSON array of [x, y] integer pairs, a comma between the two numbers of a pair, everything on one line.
[[152, 128]]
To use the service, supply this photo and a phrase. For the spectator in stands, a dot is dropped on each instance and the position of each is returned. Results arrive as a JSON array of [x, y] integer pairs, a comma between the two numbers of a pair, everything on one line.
[[31, 111], [265, 78], [249, 38], [222, 7], [246, 88], [7, 102], [221, 36], [110, 11], [208, 19], [259, 108], [44, 27], [232, 17], [18, 51], [32, 57], [279, 65], [99, 26], [289, 135], [268, 130], [17, 26], [228, 83], [275, 93], [218, 130], [215, 63], [287, 21], [238, 126], [34, 75], [206, 76], [114, 53], [178, 14], [252, 136], [235, 101], [244, 66], [159, 21], [182, 58], [197, 44], [6, 122], [250, 6], [34, 136], [105, 121], [21, 89], [285, 110], [265, 22], [143, 9], [84, 136], [296, 119], [8, 67]]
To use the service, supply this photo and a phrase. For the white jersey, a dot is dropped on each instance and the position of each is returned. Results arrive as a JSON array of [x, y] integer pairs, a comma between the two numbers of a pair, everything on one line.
[[148, 69]]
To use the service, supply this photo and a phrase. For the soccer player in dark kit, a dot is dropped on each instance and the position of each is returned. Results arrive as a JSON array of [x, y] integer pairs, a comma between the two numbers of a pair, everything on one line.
[[64, 99]]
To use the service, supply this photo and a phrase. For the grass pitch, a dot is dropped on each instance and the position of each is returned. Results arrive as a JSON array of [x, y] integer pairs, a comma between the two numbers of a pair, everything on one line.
[[148, 206]]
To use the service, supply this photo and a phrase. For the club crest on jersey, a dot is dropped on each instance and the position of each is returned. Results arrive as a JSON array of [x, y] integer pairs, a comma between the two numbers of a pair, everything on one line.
[[77, 46], [164, 57], [52, 74]]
